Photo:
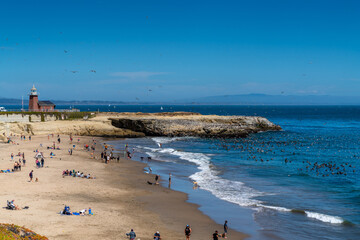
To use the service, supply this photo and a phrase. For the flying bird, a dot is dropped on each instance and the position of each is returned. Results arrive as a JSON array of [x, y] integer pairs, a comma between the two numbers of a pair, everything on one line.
[[74, 71], [65, 51], [93, 71]]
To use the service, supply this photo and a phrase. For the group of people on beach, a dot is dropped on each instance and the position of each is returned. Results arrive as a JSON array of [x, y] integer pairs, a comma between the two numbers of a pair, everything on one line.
[[74, 173], [82, 212], [187, 231], [107, 157]]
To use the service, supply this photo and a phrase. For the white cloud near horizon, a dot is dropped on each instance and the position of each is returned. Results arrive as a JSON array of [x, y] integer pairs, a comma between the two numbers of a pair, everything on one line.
[[142, 74]]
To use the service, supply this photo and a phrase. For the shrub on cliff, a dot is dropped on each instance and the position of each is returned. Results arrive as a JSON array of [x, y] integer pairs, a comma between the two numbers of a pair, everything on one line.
[[14, 232]]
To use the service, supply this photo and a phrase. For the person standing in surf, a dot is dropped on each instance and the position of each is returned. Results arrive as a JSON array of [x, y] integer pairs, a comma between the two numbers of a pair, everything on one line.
[[225, 229], [157, 179], [169, 180]]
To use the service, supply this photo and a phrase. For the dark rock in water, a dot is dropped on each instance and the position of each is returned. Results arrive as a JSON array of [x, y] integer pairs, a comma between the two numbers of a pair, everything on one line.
[[193, 124], [298, 211]]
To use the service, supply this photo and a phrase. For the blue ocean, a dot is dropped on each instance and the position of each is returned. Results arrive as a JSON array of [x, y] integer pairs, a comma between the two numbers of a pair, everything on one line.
[[299, 183]]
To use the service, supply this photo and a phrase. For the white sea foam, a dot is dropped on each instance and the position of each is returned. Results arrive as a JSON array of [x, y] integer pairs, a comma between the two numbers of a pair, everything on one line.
[[324, 217], [164, 140], [280, 209], [314, 215], [231, 191]]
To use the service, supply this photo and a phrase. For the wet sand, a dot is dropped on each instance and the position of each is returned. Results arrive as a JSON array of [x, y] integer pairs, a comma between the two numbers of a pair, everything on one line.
[[119, 197]]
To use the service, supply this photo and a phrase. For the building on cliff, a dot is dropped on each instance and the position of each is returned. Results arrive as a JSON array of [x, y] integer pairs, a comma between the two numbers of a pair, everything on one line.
[[39, 106]]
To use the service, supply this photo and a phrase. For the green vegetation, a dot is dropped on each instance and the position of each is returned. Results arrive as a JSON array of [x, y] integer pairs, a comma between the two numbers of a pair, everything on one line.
[[14, 232], [58, 115]]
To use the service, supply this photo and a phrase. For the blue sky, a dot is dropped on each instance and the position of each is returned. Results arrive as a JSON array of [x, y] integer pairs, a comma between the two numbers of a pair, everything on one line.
[[167, 50]]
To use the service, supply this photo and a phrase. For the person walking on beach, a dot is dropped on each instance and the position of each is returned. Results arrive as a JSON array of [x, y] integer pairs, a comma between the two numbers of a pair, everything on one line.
[[225, 229], [42, 162], [156, 179], [31, 175], [131, 234], [187, 232]]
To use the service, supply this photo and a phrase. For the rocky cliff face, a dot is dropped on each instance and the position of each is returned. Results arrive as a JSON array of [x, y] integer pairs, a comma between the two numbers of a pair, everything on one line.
[[129, 125], [185, 124], [95, 127]]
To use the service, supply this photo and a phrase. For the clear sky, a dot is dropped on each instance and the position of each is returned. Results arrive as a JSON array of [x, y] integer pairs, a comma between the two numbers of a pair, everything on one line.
[[165, 50]]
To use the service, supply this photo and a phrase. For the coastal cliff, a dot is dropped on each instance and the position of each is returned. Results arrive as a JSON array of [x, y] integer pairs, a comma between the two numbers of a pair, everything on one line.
[[193, 124], [130, 125]]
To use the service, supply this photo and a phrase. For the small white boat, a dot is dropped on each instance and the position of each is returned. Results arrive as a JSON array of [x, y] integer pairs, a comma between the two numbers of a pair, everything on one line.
[[2, 109], [161, 108]]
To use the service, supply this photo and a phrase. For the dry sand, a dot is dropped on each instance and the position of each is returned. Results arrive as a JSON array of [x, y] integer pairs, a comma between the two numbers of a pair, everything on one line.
[[119, 197]]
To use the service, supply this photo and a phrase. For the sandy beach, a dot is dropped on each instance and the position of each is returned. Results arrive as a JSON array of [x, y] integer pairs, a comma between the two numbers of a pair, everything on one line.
[[119, 197]]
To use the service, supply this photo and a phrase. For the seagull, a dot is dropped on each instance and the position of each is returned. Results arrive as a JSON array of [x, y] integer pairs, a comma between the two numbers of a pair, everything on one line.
[[74, 71], [65, 51], [93, 71]]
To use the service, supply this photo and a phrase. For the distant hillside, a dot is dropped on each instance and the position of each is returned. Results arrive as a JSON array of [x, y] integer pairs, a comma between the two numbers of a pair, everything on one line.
[[263, 99], [8, 101], [244, 99]]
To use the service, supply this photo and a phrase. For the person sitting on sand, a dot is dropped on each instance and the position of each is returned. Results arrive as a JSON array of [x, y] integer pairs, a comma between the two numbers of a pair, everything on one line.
[[37, 163], [11, 205], [82, 212], [216, 235], [66, 211], [16, 166], [157, 236]]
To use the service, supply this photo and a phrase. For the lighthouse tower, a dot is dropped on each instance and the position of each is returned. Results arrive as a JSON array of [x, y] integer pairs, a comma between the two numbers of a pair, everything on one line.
[[33, 100]]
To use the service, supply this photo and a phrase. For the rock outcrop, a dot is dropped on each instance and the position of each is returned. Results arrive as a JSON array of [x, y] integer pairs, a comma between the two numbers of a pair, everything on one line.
[[97, 127], [129, 125], [192, 124]]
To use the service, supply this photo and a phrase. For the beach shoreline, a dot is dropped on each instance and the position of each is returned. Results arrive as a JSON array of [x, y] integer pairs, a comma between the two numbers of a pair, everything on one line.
[[119, 196]]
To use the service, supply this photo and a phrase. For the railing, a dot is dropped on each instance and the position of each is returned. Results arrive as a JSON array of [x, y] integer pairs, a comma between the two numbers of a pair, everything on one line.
[[42, 111]]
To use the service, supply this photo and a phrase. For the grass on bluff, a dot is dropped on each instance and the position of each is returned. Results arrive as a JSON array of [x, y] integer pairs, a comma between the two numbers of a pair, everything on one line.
[[14, 232], [58, 115]]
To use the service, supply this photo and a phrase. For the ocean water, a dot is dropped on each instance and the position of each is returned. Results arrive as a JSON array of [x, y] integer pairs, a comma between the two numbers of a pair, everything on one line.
[[299, 183]]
